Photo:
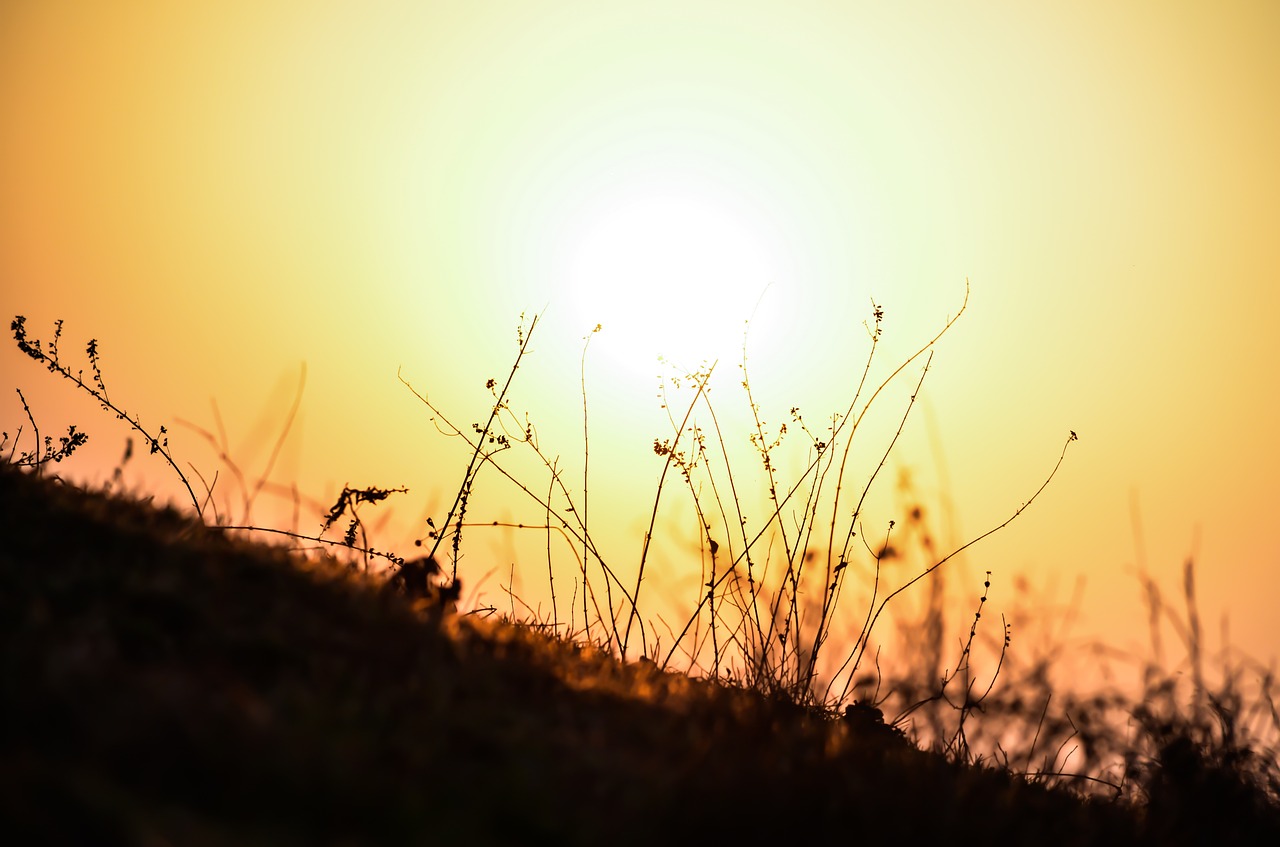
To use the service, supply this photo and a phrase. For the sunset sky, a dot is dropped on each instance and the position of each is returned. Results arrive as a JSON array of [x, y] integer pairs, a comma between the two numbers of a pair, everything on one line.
[[222, 192]]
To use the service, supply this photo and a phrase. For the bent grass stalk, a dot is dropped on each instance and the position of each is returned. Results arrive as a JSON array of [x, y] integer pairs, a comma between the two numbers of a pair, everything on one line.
[[860, 647], [96, 388]]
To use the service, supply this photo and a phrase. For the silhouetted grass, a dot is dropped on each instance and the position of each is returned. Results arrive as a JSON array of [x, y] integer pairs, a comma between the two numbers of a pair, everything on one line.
[[169, 681]]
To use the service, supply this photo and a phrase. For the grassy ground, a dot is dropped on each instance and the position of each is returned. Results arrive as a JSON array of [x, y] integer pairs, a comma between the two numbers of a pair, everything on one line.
[[164, 684]]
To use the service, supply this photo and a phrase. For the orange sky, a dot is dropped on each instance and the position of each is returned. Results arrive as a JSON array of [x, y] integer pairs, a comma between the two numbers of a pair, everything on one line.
[[220, 192]]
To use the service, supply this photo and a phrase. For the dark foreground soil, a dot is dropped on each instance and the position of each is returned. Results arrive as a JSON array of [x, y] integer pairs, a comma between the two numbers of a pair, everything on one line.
[[164, 684]]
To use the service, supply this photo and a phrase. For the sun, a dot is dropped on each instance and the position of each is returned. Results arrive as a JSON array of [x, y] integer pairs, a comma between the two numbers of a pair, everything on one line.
[[670, 266]]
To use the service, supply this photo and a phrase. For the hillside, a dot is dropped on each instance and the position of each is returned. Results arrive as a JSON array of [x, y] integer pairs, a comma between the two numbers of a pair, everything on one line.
[[165, 684]]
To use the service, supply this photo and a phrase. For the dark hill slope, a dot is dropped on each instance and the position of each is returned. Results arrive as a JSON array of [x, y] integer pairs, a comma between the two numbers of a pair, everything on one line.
[[166, 684]]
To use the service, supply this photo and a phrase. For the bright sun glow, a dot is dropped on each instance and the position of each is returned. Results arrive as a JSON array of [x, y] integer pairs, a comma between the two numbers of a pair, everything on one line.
[[670, 268]]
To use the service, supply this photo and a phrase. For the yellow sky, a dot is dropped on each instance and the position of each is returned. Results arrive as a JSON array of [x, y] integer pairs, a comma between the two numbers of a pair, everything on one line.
[[220, 192]]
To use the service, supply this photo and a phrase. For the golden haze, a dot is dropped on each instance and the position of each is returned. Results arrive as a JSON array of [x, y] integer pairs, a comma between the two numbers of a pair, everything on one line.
[[220, 192]]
